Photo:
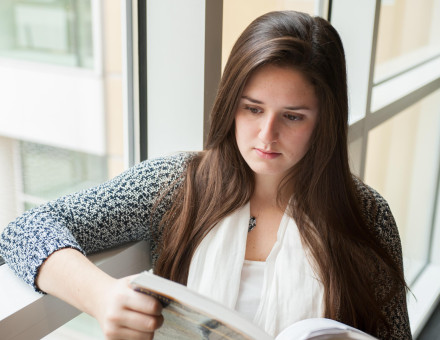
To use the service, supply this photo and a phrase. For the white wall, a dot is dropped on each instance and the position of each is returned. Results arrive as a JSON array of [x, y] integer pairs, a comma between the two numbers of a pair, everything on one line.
[[8, 190], [175, 64], [51, 105]]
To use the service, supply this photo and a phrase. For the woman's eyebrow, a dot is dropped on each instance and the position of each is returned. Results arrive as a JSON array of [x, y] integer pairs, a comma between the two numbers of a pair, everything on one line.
[[252, 100], [291, 108]]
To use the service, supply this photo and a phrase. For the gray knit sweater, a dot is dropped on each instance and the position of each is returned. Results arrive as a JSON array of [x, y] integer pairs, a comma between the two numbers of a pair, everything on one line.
[[124, 209]]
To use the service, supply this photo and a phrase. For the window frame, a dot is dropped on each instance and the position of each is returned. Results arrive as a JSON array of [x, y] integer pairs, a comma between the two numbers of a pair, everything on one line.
[[407, 87]]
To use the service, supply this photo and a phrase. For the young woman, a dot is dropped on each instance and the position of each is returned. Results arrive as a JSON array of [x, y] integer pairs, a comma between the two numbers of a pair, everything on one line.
[[267, 219]]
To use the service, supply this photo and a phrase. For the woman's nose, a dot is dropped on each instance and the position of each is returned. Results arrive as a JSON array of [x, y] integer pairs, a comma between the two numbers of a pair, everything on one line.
[[268, 129]]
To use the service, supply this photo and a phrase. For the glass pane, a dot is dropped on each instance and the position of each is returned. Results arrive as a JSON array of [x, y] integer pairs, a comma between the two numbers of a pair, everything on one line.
[[402, 165], [61, 129], [238, 14], [49, 172], [355, 156], [82, 327], [408, 34], [49, 31]]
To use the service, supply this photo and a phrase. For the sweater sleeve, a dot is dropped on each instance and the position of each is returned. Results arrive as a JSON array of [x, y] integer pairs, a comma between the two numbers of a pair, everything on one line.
[[377, 209], [118, 211]]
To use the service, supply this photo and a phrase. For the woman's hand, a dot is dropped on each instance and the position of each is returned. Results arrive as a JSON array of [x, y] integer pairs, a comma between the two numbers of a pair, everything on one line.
[[121, 312], [127, 314]]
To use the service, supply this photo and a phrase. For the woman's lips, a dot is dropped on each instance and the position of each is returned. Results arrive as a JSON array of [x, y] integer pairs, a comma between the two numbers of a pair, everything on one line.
[[267, 154]]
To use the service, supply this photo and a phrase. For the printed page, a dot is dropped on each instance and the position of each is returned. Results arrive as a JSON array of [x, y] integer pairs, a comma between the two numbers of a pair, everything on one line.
[[182, 322], [190, 315], [322, 329]]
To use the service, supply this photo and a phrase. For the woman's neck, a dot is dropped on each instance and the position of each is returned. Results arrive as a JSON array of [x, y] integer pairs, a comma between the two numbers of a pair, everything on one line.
[[266, 191]]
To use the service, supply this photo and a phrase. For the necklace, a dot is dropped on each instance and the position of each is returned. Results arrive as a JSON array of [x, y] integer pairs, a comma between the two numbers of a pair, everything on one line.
[[252, 223]]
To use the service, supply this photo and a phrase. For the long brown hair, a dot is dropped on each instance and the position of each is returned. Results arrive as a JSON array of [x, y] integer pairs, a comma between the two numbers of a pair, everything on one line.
[[326, 206]]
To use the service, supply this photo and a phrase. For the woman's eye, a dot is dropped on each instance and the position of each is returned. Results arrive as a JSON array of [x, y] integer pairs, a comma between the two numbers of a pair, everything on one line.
[[254, 110], [293, 117]]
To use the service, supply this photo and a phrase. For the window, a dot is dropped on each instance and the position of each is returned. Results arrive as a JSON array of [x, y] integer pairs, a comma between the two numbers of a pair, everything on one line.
[[393, 63], [407, 35], [402, 164], [54, 31], [238, 14], [49, 172], [61, 108]]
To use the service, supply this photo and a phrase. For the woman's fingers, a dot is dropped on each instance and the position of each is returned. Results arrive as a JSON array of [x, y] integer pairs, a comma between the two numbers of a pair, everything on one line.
[[129, 314], [136, 321], [142, 303], [126, 333]]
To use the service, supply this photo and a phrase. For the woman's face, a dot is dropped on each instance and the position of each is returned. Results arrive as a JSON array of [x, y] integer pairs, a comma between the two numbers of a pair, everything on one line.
[[275, 119]]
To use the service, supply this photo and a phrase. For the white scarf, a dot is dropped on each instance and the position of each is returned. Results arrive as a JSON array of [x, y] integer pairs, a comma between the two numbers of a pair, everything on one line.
[[291, 291]]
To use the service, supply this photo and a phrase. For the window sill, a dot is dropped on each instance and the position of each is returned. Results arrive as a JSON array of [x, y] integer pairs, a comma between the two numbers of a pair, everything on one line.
[[25, 314], [423, 298]]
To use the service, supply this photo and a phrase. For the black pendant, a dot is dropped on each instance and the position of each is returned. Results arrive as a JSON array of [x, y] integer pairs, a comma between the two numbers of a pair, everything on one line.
[[252, 223]]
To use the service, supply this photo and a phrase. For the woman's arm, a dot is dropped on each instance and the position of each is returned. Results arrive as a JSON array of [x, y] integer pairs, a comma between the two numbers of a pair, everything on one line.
[[375, 208], [396, 311], [121, 312], [116, 212], [46, 246]]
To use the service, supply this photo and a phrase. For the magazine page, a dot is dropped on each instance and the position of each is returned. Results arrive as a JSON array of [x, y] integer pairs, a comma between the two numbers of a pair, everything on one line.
[[322, 329], [188, 315]]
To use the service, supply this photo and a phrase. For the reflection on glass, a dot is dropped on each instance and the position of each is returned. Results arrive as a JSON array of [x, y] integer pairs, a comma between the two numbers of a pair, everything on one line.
[[82, 327], [402, 165], [37, 161], [408, 34], [49, 31], [238, 14], [355, 156], [49, 172]]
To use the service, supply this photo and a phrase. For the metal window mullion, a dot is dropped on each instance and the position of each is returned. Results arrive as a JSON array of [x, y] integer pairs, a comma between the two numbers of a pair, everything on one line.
[[389, 111], [370, 89], [409, 68], [213, 57], [127, 83], [360, 49], [142, 93], [322, 8]]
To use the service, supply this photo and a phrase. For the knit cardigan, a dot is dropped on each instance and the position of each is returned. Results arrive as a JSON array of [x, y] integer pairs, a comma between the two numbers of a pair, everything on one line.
[[130, 207]]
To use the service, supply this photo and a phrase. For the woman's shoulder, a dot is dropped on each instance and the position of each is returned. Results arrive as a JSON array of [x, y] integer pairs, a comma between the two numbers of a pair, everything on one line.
[[169, 162], [367, 194], [379, 217], [169, 167], [373, 204]]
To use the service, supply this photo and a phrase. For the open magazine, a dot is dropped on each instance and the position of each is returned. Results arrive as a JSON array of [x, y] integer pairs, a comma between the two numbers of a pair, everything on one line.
[[189, 315]]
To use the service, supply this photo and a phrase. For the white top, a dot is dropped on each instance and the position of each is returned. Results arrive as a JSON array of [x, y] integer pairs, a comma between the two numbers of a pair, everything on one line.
[[291, 290], [251, 286]]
